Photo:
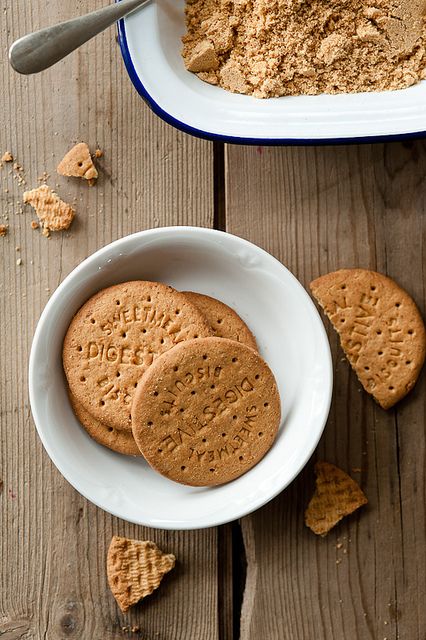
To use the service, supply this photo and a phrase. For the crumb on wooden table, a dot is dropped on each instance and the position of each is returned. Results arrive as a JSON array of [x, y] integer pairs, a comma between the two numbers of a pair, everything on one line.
[[54, 214], [78, 163], [44, 177], [3, 230]]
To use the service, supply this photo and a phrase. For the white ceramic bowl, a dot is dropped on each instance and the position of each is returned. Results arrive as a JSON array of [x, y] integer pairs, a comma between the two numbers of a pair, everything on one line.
[[150, 44], [291, 338]]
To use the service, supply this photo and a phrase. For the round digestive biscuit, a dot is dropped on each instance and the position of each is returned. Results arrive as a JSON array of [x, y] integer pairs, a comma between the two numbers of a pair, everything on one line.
[[380, 327], [115, 337], [206, 411], [224, 321], [120, 441]]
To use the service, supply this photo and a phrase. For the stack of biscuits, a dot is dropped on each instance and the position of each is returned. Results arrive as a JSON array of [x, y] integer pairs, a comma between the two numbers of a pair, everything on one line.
[[174, 377]]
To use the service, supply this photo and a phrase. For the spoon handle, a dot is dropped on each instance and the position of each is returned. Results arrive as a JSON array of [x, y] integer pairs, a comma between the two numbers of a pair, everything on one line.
[[39, 50]]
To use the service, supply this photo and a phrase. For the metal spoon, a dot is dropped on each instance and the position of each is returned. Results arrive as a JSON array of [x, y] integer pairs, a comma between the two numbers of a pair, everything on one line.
[[39, 50]]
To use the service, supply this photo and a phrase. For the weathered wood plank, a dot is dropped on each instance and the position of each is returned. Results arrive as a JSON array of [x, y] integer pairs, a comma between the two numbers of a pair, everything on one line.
[[319, 209], [53, 542]]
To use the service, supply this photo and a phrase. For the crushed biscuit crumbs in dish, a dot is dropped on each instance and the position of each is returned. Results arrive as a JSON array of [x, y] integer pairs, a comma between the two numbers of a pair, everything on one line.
[[291, 47], [150, 41]]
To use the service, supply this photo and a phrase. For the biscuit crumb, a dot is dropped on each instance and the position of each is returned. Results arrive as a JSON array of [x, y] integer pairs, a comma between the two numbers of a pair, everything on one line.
[[7, 157], [19, 262], [4, 229], [34, 224], [99, 153], [53, 213], [78, 163], [44, 177], [203, 58]]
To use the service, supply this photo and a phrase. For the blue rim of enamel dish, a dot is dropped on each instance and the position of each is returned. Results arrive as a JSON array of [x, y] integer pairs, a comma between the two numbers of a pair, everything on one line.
[[217, 137]]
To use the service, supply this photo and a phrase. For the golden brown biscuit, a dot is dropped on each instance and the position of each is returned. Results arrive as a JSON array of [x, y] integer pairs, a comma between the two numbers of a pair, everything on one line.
[[225, 322], [78, 163], [335, 497], [53, 213], [135, 569], [206, 411], [381, 330], [120, 441], [115, 337]]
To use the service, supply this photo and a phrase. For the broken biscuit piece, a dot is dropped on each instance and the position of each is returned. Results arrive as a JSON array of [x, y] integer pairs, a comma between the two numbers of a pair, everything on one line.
[[78, 163], [135, 569], [53, 213], [380, 328], [335, 497]]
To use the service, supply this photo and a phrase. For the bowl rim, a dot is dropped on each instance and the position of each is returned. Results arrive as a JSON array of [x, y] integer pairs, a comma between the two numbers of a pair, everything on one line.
[[216, 137], [32, 375]]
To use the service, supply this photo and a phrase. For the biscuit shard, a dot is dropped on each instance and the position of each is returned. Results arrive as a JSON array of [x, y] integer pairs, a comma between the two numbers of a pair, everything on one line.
[[53, 213], [135, 569], [78, 163], [381, 330], [336, 496], [203, 58]]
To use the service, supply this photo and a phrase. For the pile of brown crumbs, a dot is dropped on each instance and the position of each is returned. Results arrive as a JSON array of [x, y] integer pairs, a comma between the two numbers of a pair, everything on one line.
[[270, 48]]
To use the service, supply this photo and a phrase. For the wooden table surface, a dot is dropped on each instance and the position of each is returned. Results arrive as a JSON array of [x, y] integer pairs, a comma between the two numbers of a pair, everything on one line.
[[316, 209]]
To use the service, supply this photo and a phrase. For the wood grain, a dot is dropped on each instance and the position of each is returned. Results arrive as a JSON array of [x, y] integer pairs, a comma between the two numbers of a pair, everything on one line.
[[53, 542], [319, 209]]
